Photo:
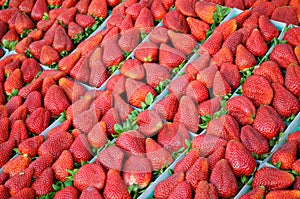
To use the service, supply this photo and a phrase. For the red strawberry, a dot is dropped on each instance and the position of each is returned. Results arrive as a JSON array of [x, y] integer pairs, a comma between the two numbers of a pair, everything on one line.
[[98, 8], [80, 71], [208, 144], [111, 158], [220, 85], [6, 14], [286, 14], [295, 165], [78, 107], [75, 32], [257, 192], [110, 118], [285, 103], [67, 16], [286, 155], [197, 172], [85, 47], [48, 55], [10, 39], [4, 192], [252, 20], [159, 35], [72, 89], [38, 120], [97, 137], [90, 192], [129, 40], [54, 2], [292, 36], [173, 136], [283, 55], [198, 28], [225, 127], [175, 21], [258, 89], [272, 178], [13, 82], [126, 25], [183, 42], [144, 21], [80, 149], [233, 41], [4, 129], [112, 54], [254, 141], [205, 11], [104, 102], [3, 111], [2, 95], [187, 8], [268, 122], [23, 45], [149, 122], [227, 28], [31, 145], [231, 74], [132, 142], [62, 164], [43, 184], [209, 107], [113, 3], [240, 18], [33, 101], [85, 21], [61, 41], [224, 55], [267, 29], [194, 67], [89, 175], [187, 162], [256, 43], [291, 80], [170, 57], [206, 190], [235, 4], [167, 107], [158, 10], [283, 193], [146, 52], [68, 3], [183, 189], [137, 171], [164, 188], [133, 69], [213, 44], [19, 114], [51, 145], [40, 7], [271, 71], [7, 149], [156, 74], [40, 164], [179, 85], [67, 192], [122, 107], [36, 47], [18, 132], [23, 22], [68, 62], [29, 69], [115, 186], [264, 8], [134, 10], [19, 181], [98, 74], [197, 91], [16, 165]]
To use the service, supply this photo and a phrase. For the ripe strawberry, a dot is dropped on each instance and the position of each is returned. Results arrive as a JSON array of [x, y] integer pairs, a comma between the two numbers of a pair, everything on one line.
[[205, 11], [85, 120], [284, 102], [4, 192], [4, 129], [84, 21], [40, 164], [149, 122], [90, 192], [19, 114], [175, 21], [224, 55], [252, 20], [159, 35], [173, 136], [272, 178], [19, 181], [285, 155], [264, 8], [98, 8], [16, 165], [33, 101], [197, 91], [286, 14], [111, 158], [30, 69], [137, 171], [75, 32], [122, 107], [283, 55], [158, 10], [291, 80], [40, 7], [230, 73], [3, 111], [36, 47], [31, 145], [85, 47], [67, 16], [144, 22], [165, 188], [72, 89], [48, 55], [240, 18], [115, 186], [271, 71], [7, 149], [132, 142], [225, 127], [78, 107], [80, 149], [89, 175], [283, 193], [112, 54], [222, 177], [52, 147], [208, 144], [205, 190], [258, 89], [68, 3], [292, 36], [2, 96], [38, 120], [296, 184], [213, 43], [62, 164], [242, 109], [13, 82], [227, 28], [183, 189], [23, 22], [146, 52], [18, 132], [267, 29], [97, 137], [197, 172], [178, 85], [67, 192], [220, 85], [129, 40], [156, 74], [257, 192], [183, 42], [43, 184], [209, 107], [133, 69], [104, 102], [127, 25], [54, 2], [167, 107], [268, 122], [62, 41], [110, 118], [295, 165], [187, 8], [256, 43], [98, 75], [6, 14], [170, 57], [254, 141], [187, 114], [187, 162]]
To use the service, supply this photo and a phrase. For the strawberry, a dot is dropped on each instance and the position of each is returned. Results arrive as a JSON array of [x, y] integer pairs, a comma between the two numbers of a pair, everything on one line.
[[48, 55], [98, 75], [38, 120], [182, 42], [23, 22], [206, 190], [98, 8], [284, 101], [90, 192], [40, 7], [67, 16], [179, 85], [7, 149], [13, 82], [61, 41], [286, 14], [198, 28], [187, 8], [292, 36], [209, 107], [132, 142], [78, 107], [110, 118], [220, 85], [122, 107], [197, 91], [222, 177], [4, 129], [80, 149], [183, 189], [54, 2], [72, 89], [242, 109], [283, 55], [4, 192], [133, 69], [51, 145], [257, 192], [62, 164], [2, 95], [156, 74], [213, 43], [240, 18], [85, 21], [149, 122], [10, 39], [252, 20], [85, 47], [18, 132], [80, 71], [36, 47], [19, 181], [233, 41], [23, 45], [267, 29], [170, 57], [33, 101], [48, 82], [115, 186], [158, 10], [137, 171], [54, 13], [159, 35], [30, 68], [111, 35], [134, 10], [258, 89], [295, 165], [188, 161], [137, 92], [296, 184], [173, 136], [40, 164], [264, 8], [30, 146], [112, 54], [67, 192], [224, 55], [197, 172], [271, 71], [68, 3], [225, 127], [205, 11], [227, 28], [175, 21], [146, 52], [89, 175], [43, 184], [16, 165], [256, 43], [75, 32], [144, 22], [126, 25], [167, 107], [111, 158], [164, 188], [283, 193], [235, 4], [25, 193], [68, 62], [3, 111], [129, 40], [19, 114], [254, 141], [97, 137], [291, 80], [272, 178], [268, 122], [187, 114], [286, 155], [113, 3], [231, 74], [104, 102]]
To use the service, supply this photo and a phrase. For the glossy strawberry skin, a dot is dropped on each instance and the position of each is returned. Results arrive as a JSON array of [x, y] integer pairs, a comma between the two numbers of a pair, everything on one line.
[[286, 155]]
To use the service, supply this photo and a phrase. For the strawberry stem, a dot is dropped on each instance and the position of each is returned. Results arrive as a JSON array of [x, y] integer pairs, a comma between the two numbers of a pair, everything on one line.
[[5, 5], [9, 45], [51, 7], [78, 38], [25, 33], [45, 16]]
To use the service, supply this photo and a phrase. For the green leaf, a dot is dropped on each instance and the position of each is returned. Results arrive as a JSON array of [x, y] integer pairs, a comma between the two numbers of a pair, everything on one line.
[[118, 128], [45, 16], [149, 98], [143, 35], [170, 171], [177, 153], [278, 165], [25, 33], [17, 151], [143, 105], [78, 38], [64, 53], [14, 92], [255, 156], [295, 173]]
